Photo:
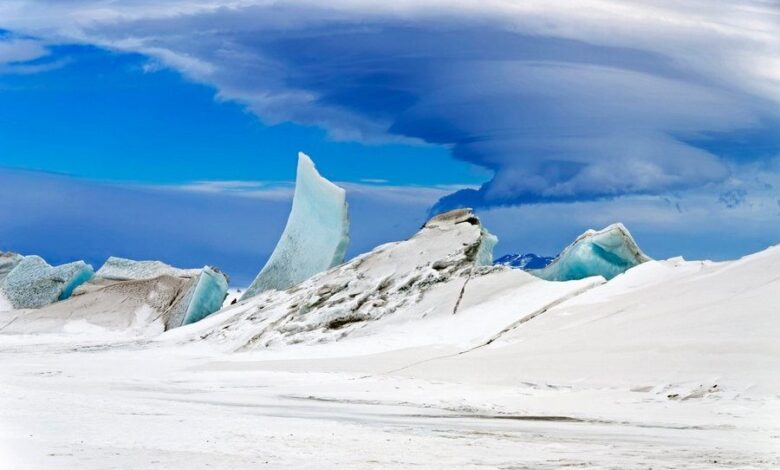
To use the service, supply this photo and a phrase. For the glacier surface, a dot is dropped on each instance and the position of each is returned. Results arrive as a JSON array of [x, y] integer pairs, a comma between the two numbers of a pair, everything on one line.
[[315, 237], [607, 253], [33, 283]]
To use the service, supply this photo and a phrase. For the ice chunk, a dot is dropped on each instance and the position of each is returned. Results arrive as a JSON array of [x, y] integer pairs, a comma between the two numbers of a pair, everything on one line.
[[606, 253], [316, 235], [8, 261], [485, 251], [122, 269], [33, 283], [207, 297], [201, 293]]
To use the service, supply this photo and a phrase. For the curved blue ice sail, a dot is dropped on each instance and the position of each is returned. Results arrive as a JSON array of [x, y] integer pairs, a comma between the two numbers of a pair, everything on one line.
[[315, 237], [606, 253], [33, 283]]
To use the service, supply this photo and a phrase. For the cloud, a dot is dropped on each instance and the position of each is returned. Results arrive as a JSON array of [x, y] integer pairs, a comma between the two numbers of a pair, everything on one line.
[[20, 55], [687, 223], [607, 99]]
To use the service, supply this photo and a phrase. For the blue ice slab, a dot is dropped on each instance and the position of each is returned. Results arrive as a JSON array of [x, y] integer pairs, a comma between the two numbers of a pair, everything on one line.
[[33, 283], [485, 250], [606, 253], [315, 237], [208, 296]]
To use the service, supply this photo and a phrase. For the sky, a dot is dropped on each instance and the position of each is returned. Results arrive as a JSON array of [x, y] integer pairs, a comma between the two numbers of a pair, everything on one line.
[[170, 130]]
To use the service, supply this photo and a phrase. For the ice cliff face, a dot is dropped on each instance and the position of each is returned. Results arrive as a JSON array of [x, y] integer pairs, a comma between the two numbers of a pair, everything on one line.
[[607, 253], [315, 237], [30, 282], [397, 278]]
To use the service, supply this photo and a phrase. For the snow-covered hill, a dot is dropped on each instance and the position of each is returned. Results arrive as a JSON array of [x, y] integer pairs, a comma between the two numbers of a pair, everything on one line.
[[418, 354]]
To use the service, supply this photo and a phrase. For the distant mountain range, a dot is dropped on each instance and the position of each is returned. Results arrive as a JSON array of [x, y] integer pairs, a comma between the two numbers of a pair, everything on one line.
[[526, 261]]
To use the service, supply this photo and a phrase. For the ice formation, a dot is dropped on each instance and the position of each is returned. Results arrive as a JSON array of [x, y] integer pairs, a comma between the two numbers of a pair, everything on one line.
[[33, 283], [122, 269], [439, 272], [200, 294], [315, 237], [207, 297], [138, 297], [607, 253], [8, 261]]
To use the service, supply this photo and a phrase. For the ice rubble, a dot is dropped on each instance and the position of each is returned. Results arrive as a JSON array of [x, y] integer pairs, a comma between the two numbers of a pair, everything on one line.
[[144, 297], [607, 253], [315, 237], [30, 282]]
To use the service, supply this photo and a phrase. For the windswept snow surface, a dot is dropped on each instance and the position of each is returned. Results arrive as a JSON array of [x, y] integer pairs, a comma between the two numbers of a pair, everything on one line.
[[414, 356], [315, 237], [606, 253]]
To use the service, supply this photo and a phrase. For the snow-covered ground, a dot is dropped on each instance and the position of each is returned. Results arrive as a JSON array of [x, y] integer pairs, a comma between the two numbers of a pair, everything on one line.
[[673, 364]]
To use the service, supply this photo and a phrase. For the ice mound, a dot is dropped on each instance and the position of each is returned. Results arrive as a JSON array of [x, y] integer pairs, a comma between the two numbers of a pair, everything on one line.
[[315, 237], [32, 283], [408, 291], [607, 253]]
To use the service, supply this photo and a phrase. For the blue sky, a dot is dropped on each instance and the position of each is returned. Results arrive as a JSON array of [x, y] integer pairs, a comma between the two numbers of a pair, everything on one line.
[[547, 119], [104, 115]]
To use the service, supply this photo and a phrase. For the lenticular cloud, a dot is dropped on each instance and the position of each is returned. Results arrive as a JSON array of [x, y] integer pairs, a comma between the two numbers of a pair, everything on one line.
[[607, 99]]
